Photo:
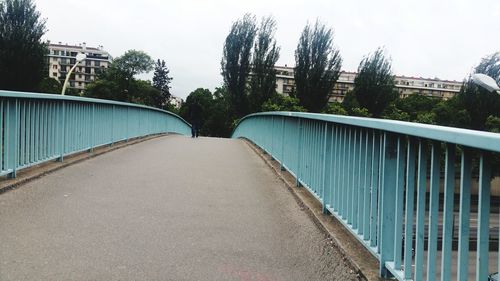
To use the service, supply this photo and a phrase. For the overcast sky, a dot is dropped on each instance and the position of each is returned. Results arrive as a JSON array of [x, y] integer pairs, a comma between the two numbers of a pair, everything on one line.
[[427, 38]]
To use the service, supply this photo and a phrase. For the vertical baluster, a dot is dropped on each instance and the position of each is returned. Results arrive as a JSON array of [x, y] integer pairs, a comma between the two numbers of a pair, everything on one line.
[[433, 211], [374, 189], [299, 154], [327, 151], [421, 191], [398, 224], [360, 184], [464, 216], [367, 185], [354, 183], [22, 133], [409, 212], [333, 166], [387, 199], [482, 258]]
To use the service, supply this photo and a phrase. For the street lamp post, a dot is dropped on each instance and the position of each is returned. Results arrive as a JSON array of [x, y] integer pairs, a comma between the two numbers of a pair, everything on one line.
[[486, 82], [80, 57]]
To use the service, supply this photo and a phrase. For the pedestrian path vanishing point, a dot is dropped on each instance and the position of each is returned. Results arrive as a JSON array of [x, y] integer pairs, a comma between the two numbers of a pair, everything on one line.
[[172, 208]]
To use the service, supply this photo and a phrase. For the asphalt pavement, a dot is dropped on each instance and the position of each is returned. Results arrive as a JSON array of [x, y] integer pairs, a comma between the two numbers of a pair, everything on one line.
[[171, 208]]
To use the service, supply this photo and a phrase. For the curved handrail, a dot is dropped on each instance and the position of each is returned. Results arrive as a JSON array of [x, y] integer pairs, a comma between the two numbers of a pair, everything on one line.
[[471, 138], [47, 96], [375, 176], [35, 128]]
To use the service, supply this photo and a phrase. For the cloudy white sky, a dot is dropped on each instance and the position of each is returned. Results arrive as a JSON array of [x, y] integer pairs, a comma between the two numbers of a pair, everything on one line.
[[427, 38]]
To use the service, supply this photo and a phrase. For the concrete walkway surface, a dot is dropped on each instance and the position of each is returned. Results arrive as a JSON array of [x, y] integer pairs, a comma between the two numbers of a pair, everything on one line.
[[171, 208]]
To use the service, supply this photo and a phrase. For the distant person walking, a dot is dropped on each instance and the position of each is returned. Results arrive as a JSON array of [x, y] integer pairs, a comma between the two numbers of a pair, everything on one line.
[[195, 112]]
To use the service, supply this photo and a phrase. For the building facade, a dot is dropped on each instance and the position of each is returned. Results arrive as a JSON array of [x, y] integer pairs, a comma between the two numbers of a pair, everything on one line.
[[62, 57], [443, 89]]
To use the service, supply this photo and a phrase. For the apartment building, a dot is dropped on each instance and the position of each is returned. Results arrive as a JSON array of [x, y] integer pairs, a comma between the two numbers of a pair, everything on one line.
[[62, 57], [443, 89]]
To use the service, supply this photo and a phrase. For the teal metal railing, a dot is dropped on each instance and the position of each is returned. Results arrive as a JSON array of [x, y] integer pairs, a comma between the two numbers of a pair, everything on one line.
[[392, 185], [36, 128]]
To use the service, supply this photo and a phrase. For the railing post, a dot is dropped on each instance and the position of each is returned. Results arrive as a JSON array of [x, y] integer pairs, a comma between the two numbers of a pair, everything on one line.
[[282, 165], [112, 125], [93, 129], [482, 257], [299, 161], [12, 135], [325, 173], [387, 199], [62, 123]]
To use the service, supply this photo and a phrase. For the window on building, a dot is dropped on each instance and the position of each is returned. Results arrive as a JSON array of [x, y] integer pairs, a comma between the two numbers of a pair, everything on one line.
[[54, 74], [80, 84], [63, 68], [97, 63], [54, 66], [88, 63], [72, 83]]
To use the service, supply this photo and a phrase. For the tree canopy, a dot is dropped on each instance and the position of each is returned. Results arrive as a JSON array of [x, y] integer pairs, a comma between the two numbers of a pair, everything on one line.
[[22, 53], [265, 55], [317, 66], [374, 84], [235, 62], [161, 80]]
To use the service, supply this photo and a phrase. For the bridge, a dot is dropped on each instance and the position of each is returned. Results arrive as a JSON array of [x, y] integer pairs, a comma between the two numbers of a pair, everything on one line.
[[393, 199]]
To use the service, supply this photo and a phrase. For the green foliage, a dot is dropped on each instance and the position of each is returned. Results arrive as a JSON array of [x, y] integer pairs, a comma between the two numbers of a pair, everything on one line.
[[350, 102], [415, 105], [374, 84], [490, 65], [22, 53], [451, 113], [335, 108], [478, 102], [235, 63], [361, 112], [282, 103], [265, 55], [216, 120], [394, 113], [426, 118], [493, 124], [220, 122], [118, 83], [133, 62], [317, 66], [161, 81], [50, 86]]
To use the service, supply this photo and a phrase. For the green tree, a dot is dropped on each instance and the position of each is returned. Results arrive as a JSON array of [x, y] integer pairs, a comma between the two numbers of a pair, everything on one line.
[[220, 122], [133, 62], [235, 63], [161, 81], [205, 99], [414, 108], [118, 83], [451, 113], [317, 66], [479, 103], [50, 86], [22, 53], [282, 103], [335, 108], [265, 56], [374, 84]]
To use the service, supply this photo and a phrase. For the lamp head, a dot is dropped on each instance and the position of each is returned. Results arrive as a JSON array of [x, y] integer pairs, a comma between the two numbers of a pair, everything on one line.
[[80, 57], [486, 82]]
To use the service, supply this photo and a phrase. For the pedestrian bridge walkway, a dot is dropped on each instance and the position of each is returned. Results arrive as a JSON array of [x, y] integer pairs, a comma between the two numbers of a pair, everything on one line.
[[170, 208], [422, 200]]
